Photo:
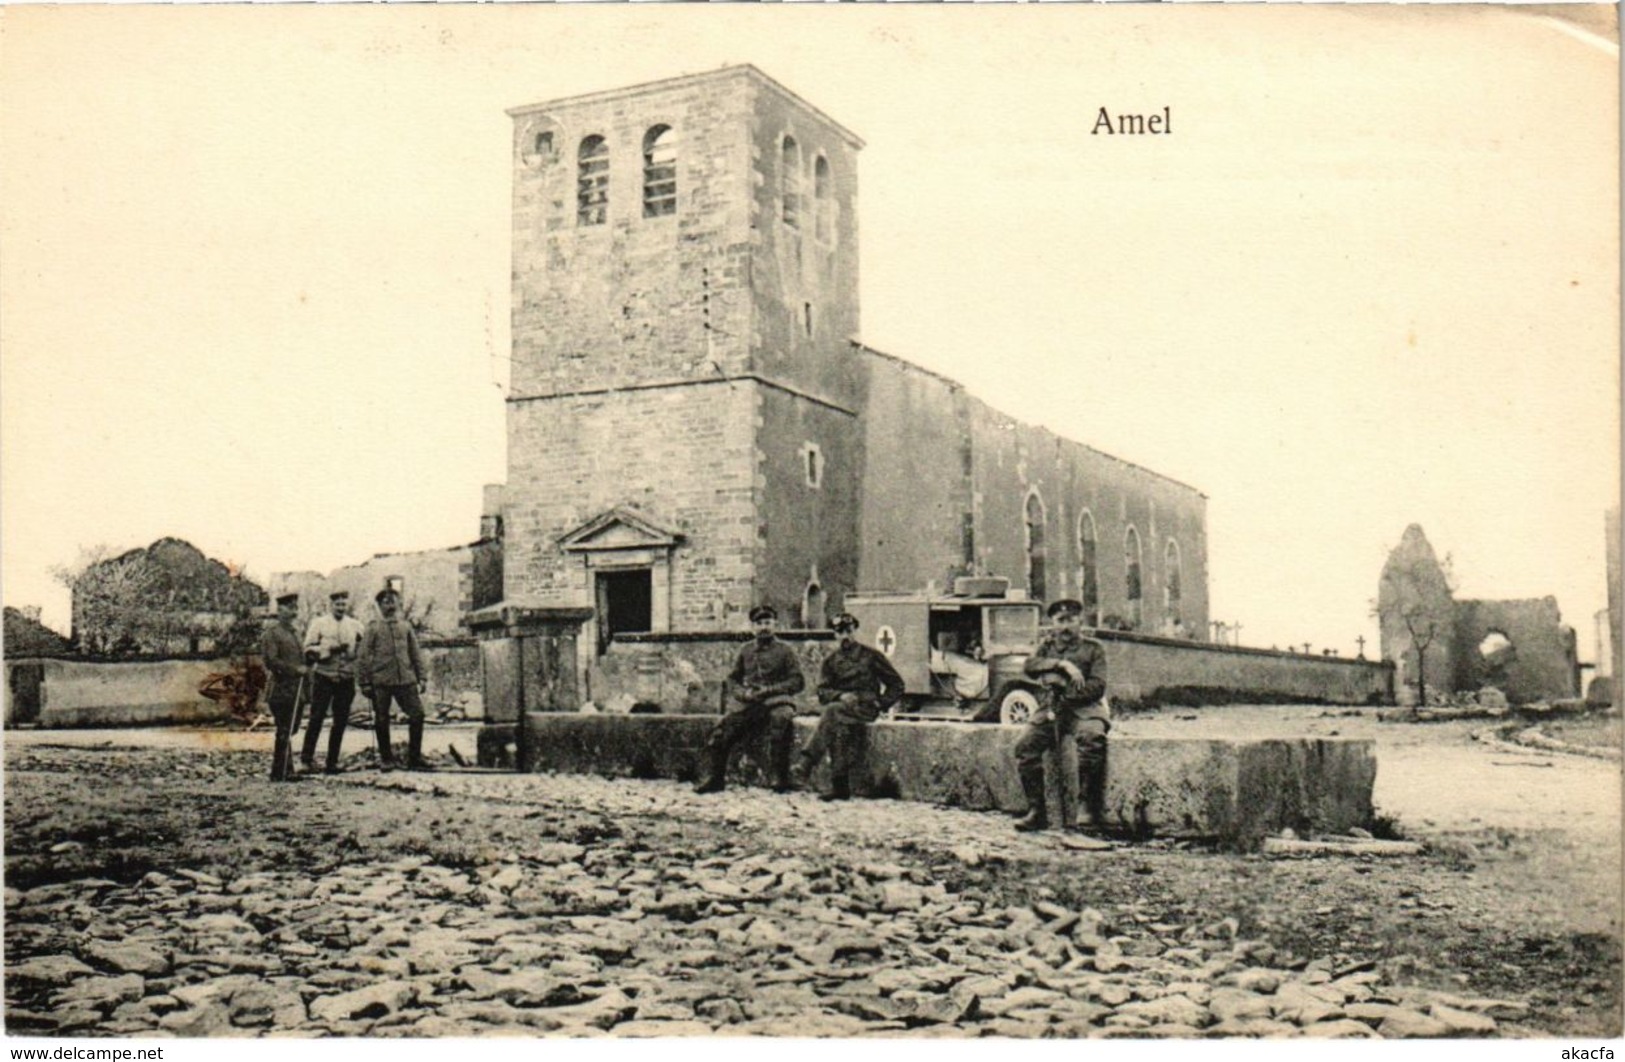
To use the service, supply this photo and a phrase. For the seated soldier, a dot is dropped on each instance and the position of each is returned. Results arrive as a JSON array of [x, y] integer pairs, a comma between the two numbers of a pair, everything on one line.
[[1073, 670], [856, 684]]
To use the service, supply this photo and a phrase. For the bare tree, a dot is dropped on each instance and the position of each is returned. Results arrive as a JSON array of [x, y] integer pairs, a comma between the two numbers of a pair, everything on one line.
[[110, 595], [418, 614]]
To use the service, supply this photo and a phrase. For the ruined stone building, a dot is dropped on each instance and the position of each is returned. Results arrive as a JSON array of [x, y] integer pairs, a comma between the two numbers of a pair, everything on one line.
[[439, 587], [694, 426], [1448, 645]]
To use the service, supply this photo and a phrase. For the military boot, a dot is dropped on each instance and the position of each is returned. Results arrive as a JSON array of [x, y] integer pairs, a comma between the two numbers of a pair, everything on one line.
[[1092, 781], [840, 765], [307, 750], [778, 754], [414, 747], [386, 758], [1032, 787], [805, 765], [716, 770]]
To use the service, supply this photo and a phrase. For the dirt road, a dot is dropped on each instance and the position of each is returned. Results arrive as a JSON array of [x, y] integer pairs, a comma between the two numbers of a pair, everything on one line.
[[1439, 784]]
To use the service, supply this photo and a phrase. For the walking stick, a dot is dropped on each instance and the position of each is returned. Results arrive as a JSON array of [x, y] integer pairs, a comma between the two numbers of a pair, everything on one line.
[[299, 697]]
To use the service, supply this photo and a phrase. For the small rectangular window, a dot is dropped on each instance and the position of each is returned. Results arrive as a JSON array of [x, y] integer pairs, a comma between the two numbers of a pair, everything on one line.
[[813, 464]]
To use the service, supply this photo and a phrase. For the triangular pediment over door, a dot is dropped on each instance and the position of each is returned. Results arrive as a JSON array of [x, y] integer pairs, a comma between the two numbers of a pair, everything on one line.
[[619, 528]]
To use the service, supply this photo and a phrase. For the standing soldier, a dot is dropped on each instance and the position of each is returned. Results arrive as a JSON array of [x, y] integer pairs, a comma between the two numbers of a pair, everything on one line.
[[856, 684], [1073, 670], [279, 649], [764, 680], [389, 668], [330, 644]]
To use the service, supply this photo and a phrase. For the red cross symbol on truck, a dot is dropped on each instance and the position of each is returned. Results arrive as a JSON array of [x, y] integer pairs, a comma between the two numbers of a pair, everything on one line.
[[886, 640]]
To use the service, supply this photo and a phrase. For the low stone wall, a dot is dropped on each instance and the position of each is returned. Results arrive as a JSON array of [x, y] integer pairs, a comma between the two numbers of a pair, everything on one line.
[[1237, 791], [683, 672], [127, 693], [71, 693], [1139, 665]]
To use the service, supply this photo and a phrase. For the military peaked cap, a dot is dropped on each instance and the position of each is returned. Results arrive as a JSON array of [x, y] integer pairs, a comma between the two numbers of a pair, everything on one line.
[[762, 612], [1066, 606]]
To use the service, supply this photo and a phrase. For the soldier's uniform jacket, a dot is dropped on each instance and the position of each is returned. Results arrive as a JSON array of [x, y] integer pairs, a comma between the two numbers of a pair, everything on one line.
[[1085, 654], [389, 654], [335, 641], [856, 668], [279, 648], [770, 669]]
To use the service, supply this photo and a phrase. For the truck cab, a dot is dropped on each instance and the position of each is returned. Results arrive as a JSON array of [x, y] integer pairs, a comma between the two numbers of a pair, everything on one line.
[[960, 654]]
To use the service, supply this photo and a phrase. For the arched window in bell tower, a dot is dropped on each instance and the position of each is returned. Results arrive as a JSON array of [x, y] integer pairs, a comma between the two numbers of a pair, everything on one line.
[[592, 181], [790, 182], [659, 171]]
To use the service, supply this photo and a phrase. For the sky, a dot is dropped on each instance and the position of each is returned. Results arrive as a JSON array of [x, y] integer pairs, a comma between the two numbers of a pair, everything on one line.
[[254, 268]]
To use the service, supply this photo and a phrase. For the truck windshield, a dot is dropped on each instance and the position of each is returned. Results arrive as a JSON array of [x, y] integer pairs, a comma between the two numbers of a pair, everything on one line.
[[1012, 628]]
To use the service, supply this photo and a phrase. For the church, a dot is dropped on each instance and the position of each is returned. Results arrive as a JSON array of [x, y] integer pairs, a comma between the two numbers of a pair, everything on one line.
[[696, 427]]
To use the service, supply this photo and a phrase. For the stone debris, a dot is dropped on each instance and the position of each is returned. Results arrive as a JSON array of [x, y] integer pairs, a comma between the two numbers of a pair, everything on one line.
[[128, 958], [1341, 1029], [47, 969], [1534, 737], [1462, 1022], [579, 930], [1404, 1024], [374, 1001], [1354, 846], [102, 992]]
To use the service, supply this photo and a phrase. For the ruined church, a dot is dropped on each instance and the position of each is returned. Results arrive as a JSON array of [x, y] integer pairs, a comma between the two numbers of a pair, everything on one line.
[[1442, 645], [695, 427]]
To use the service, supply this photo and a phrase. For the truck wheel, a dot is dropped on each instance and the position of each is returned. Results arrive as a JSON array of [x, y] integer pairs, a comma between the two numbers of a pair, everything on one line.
[[1017, 706]]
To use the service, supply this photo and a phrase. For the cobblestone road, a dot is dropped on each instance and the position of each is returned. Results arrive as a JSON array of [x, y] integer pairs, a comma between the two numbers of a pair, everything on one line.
[[180, 894]]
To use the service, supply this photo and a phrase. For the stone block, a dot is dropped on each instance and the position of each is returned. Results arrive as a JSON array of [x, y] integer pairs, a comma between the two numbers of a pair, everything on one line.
[[1238, 791]]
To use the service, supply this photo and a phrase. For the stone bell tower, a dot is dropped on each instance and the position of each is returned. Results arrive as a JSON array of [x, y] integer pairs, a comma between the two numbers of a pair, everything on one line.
[[683, 422]]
